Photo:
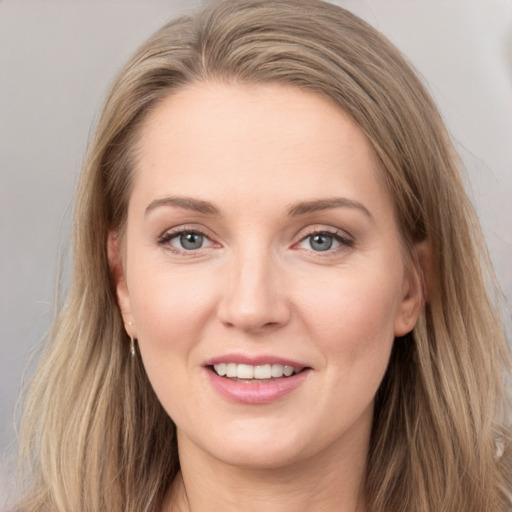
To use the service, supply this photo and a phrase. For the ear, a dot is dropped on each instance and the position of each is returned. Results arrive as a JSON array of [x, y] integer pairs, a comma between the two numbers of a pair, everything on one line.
[[115, 261], [415, 290]]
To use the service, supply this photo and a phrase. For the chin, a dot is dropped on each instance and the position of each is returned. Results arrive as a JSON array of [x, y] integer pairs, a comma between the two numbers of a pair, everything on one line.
[[259, 448], [258, 458]]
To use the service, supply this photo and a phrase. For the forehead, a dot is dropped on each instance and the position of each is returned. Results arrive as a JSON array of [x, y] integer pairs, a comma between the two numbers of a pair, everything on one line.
[[247, 111], [252, 139]]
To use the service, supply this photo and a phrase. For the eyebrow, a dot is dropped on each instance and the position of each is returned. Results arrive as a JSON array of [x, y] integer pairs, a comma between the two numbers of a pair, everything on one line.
[[188, 203], [295, 210], [305, 207]]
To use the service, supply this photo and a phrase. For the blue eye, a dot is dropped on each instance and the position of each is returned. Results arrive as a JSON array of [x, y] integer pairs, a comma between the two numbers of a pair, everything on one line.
[[324, 241], [190, 241], [185, 240], [321, 242]]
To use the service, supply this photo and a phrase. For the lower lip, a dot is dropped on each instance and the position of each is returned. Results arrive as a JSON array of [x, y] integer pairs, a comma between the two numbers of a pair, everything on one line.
[[255, 391]]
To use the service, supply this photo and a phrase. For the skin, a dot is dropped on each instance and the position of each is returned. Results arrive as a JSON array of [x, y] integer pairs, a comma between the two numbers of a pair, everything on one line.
[[258, 286]]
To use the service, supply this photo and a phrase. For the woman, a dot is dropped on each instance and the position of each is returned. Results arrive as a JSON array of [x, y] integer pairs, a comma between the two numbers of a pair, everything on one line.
[[278, 297]]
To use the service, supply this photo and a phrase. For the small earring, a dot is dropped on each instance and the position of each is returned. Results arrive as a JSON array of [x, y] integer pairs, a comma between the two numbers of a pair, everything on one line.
[[132, 347]]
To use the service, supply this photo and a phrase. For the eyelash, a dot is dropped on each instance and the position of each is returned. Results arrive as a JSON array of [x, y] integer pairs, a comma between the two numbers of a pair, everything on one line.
[[344, 241], [166, 237]]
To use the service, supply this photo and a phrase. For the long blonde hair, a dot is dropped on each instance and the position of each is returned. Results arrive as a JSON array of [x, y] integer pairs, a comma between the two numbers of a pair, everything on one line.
[[95, 437]]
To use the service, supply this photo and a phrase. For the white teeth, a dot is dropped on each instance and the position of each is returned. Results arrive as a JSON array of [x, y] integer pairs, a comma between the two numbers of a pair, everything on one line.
[[247, 371], [277, 370], [221, 369], [232, 370], [287, 370], [263, 372]]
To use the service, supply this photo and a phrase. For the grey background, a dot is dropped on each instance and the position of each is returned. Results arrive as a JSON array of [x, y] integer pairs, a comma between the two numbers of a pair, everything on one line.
[[57, 59]]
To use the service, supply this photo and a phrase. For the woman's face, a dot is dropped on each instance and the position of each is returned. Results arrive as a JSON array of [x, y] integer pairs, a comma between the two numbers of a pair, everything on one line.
[[260, 241]]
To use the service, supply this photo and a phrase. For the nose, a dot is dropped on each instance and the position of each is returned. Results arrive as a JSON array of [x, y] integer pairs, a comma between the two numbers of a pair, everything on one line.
[[254, 299]]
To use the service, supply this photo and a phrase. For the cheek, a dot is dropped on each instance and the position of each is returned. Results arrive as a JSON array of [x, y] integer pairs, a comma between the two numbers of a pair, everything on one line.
[[353, 316], [168, 307], [171, 312], [352, 324]]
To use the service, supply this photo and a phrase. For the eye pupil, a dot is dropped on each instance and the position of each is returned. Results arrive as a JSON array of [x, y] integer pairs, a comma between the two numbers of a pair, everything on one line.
[[321, 242], [191, 241]]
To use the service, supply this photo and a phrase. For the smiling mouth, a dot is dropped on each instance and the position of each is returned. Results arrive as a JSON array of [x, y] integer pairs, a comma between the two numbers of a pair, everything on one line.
[[258, 372]]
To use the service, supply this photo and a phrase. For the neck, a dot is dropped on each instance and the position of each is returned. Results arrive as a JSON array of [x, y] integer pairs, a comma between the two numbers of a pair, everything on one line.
[[329, 481]]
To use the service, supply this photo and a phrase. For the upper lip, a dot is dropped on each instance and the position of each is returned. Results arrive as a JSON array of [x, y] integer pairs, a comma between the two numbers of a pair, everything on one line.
[[254, 360]]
